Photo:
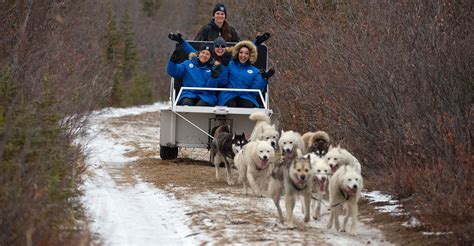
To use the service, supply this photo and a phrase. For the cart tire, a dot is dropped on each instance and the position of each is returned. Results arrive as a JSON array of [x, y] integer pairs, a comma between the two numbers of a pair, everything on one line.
[[168, 153]]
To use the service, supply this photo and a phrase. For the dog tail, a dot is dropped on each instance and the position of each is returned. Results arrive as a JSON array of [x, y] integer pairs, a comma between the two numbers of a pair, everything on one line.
[[321, 135], [220, 129], [259, 116], [307, 137]]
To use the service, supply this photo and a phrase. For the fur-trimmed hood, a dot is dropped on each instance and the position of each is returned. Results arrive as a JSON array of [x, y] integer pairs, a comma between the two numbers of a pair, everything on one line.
[[252, 50], [193, 54]]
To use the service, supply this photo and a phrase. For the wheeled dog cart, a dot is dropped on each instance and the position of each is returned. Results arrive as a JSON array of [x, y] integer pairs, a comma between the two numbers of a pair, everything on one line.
[[191, 126]]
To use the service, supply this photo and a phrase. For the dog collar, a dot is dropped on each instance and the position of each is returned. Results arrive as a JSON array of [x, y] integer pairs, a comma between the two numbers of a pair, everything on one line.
[[295, 187], [344, 194]]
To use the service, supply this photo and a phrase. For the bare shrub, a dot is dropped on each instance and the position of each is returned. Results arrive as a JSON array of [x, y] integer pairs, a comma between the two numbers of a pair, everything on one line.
[[391, 81], [51, 69], [53, 72]]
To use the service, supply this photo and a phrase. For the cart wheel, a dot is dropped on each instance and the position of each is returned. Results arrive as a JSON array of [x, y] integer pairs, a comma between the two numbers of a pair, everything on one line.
[[168, 153]]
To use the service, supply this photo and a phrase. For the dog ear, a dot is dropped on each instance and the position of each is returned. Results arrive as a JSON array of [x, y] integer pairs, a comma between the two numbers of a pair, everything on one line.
[[234, 136], [282, 131]]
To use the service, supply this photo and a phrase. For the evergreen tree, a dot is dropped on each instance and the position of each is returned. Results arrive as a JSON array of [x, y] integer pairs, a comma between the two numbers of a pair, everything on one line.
[[151, 6], [140, 92], [111, 35], [114, 56], [130, 85], [129, 53]]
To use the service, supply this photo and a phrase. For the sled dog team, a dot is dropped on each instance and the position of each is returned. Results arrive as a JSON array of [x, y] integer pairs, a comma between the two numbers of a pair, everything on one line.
[[308, 167]]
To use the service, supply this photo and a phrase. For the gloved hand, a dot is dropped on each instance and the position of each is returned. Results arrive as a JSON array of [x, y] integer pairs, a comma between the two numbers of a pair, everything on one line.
[[266, 75], [176, 37], [176, 55], [216, 71], [262, 38]]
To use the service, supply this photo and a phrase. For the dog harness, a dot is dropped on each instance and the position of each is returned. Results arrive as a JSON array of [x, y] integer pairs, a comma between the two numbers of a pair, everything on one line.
[[322, 201], [345, 197]]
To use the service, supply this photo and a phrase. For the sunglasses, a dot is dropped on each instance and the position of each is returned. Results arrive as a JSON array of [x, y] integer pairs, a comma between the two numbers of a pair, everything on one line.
[[219, 46]]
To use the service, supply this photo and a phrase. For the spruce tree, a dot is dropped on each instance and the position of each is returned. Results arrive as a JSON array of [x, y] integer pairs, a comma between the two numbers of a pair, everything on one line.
[[129, 53], [111, 35], [114, 56], [151, 6], [130, 85]]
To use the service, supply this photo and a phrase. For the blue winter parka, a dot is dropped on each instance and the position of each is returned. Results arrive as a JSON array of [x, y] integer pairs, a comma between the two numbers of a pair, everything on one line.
[[194, 75], [242, 76]]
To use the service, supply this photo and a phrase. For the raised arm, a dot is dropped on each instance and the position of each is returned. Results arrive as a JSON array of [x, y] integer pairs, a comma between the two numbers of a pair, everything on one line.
[[175, 69], [182, 43]]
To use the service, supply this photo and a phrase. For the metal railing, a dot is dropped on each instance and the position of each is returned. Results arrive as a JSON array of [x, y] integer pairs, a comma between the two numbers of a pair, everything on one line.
[[174, 97]]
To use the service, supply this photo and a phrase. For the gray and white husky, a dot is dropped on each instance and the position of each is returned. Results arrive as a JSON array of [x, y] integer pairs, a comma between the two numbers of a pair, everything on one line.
[[293, 178]]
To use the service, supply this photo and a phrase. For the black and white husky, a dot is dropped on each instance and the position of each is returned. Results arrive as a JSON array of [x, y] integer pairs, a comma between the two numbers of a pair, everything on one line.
[[224, 147]]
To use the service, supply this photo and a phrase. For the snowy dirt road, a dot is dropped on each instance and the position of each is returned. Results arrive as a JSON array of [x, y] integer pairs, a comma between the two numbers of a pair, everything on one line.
[[133, 197]]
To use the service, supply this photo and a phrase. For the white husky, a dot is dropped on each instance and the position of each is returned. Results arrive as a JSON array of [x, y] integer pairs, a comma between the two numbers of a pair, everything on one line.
[[319, 188], [255, 161], [263, 130], [337, 157], [344, 190], [289, 142]]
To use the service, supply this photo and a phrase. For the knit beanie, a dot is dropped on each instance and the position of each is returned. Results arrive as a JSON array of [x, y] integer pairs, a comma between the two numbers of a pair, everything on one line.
[[219, 41], [219, 7], [205, 47]]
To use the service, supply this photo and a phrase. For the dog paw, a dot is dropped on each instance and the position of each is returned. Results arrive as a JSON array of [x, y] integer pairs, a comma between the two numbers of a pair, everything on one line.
[[259, 194], [342, 230], [306, 219], [354, 233], [291, 227], [329, 226]]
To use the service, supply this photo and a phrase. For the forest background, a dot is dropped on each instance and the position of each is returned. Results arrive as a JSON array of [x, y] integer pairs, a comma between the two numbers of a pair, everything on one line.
[[392, 81]]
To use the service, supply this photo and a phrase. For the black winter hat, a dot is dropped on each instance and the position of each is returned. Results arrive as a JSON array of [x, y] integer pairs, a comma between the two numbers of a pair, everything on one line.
[[205, 47], [219, 7]]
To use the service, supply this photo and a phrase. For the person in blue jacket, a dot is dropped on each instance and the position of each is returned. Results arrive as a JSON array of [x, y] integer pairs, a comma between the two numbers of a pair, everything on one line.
[[243, 75], [195, 72]]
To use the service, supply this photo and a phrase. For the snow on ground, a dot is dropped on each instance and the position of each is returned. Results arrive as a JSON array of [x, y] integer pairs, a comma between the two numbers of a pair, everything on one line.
[[130, 212], [124, 210]]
